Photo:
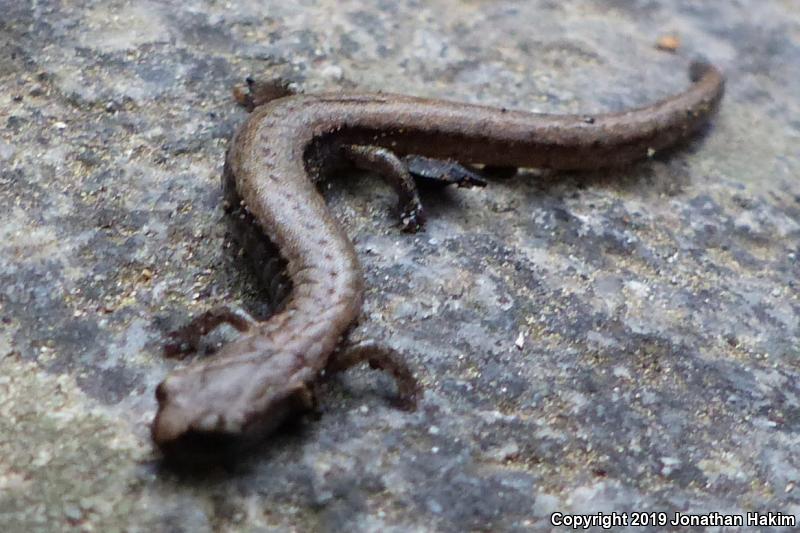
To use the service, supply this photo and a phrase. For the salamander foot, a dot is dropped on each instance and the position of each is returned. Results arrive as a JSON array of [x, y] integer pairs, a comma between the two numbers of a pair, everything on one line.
[[186, 340], [384, 358]]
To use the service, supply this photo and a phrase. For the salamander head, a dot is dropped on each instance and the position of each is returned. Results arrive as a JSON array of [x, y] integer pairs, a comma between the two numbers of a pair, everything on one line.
[[210, 410]]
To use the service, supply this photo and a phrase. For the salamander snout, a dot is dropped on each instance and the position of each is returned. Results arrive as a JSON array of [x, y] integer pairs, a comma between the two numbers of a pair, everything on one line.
[[220, 408]]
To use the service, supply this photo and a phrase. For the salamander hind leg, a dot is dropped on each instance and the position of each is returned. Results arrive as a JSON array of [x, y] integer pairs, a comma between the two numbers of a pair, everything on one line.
[[187, 339], [382, 358], [385, 163], [259, 92]]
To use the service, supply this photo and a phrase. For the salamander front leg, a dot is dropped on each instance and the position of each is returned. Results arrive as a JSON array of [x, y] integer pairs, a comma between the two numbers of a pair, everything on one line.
[[382, 358], [385, 163], [186, 339]]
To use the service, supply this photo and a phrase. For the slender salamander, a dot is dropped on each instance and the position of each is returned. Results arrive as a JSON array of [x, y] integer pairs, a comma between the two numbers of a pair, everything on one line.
[[274, 161]]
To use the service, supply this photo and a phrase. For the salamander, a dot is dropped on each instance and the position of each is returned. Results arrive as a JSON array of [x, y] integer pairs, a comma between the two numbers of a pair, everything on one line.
[[272, 169]]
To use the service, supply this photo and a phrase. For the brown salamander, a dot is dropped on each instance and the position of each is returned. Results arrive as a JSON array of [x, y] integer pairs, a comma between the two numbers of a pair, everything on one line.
[[274, 160]]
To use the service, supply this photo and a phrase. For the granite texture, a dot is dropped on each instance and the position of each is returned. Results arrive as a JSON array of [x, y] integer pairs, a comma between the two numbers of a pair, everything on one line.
[[616, 341]]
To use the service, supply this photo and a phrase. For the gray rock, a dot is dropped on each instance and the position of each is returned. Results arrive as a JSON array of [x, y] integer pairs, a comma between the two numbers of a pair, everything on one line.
[[615, 341]]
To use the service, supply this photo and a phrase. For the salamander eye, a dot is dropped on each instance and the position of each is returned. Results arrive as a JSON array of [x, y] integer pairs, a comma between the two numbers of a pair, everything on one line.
[[171, 388], [161, 391]]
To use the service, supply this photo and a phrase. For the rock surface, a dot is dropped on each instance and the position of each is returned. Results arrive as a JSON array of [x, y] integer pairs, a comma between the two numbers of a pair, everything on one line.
[[617, 341]]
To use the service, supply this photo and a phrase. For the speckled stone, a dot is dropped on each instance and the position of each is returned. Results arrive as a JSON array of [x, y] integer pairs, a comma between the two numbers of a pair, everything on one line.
[[616, 341]]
